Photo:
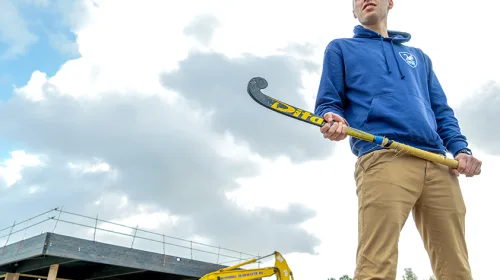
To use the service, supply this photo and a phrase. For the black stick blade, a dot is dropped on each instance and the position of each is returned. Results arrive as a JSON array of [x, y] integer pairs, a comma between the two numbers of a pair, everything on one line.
[[256, 84]]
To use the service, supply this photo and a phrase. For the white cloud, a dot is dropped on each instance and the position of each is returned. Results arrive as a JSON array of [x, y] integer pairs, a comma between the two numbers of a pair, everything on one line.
[[126, 45], [90, 167], [11, 169], [34, 89]]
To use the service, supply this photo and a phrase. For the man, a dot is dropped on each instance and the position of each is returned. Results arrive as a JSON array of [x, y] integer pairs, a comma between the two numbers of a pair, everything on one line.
[[376, 83]]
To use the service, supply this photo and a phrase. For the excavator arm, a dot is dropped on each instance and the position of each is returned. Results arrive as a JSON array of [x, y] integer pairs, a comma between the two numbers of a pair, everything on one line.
[[280, 269]]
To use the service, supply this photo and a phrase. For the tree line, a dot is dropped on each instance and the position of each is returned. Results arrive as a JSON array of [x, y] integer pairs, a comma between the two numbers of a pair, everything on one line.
[[409, 275]]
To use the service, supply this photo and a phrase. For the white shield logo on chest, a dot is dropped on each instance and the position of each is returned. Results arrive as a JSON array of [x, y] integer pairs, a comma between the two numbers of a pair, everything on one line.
[[409, 58]]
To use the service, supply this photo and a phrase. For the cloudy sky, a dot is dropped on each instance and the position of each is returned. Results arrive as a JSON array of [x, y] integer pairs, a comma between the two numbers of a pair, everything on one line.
[[128, 108]]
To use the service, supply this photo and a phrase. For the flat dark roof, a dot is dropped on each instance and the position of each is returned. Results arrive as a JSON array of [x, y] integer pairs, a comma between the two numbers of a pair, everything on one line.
[[86, 259]]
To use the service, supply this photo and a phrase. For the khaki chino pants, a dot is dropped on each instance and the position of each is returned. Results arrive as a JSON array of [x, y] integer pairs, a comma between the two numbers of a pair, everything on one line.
[[389, 187]]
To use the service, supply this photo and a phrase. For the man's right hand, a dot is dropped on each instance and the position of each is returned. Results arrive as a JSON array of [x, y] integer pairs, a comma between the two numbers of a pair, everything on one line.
[[335, 128]]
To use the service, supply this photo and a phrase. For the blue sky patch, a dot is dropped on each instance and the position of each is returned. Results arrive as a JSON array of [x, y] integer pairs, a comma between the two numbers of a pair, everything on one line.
[[54, 44]]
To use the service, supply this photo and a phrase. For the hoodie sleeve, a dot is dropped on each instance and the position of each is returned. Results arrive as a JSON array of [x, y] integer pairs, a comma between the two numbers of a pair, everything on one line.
[[330, 97], [447, 124]]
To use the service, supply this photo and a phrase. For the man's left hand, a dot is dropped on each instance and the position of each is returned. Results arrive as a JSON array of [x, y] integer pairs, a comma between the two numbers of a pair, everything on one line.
[[468, 165]]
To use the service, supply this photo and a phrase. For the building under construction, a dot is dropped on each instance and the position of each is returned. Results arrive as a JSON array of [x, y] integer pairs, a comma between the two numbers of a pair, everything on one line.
[[49, 254]]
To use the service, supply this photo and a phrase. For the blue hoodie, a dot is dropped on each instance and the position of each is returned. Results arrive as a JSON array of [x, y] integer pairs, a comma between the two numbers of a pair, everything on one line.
[[389, 89]]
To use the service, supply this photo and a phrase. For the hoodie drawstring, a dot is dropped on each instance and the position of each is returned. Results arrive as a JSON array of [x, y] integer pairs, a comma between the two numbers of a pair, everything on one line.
[[395, 57], [385, 56]]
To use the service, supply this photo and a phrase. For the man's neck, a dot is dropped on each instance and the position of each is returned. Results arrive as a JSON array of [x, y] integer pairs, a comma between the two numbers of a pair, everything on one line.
[[380, 28]]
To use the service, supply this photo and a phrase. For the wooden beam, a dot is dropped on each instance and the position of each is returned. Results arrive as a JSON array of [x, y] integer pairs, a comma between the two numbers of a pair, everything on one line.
[[12, 276], [53, 272], [39, 277]]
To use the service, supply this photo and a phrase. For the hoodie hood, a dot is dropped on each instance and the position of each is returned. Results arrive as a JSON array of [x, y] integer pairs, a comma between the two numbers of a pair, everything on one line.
[[395, 37]]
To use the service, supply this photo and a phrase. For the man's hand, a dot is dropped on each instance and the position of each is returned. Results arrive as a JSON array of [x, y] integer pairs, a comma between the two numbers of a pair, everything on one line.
[[468, 165], [335, 131]]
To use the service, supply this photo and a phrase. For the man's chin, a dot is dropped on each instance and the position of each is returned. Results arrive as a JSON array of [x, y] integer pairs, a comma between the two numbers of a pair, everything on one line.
[[370, 19]]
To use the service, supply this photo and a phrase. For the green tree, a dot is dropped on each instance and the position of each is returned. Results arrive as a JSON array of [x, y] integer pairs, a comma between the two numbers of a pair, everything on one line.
[[432, 277], [344, 277], [409, 275]]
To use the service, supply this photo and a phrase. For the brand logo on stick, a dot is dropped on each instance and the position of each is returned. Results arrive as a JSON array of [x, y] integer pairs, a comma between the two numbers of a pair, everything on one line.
[[296, 113]]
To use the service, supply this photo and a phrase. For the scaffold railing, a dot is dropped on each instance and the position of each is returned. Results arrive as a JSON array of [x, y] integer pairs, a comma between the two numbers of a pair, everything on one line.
[[95, 229]]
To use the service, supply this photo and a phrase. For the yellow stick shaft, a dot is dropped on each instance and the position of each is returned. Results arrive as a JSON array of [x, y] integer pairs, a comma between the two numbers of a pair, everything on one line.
[[437, 158]]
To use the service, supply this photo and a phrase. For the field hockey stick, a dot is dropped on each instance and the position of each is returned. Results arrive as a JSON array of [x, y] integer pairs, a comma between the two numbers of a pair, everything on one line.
[[256, 84]]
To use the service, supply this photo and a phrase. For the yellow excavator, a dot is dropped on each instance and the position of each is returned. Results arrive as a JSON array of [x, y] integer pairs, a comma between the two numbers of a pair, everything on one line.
[[280, 269]]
